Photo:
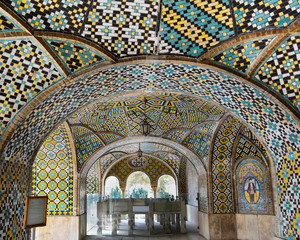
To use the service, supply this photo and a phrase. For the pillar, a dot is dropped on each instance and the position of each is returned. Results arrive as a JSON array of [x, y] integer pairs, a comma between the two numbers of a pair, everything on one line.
[[154, 188], [123, 188]]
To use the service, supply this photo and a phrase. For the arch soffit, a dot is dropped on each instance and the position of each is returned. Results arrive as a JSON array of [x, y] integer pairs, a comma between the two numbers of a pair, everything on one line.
[[192, 157], [105, 175], [294, 121], [32, 104]]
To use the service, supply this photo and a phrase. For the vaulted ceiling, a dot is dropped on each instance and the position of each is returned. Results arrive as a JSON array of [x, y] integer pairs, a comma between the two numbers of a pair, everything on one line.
[[57, 56], [182, 118], [44, 43]]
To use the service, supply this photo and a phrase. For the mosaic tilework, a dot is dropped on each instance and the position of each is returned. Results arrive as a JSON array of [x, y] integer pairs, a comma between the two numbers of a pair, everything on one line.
[[200, 143], [182, 177], [281, 70], [14, 183], [177, 135], [53, 173], [252, 189], [154, 169], [92, 180], [289, 194], [24, 72], [123, 27], [105, 162], [173, 161], [75, 56], [221, 166], [163, 111], [191, 27], [191, 184], [256, 14], [207, 127], [249, 134], [241, 56], [160, 155], [245, 148], [79, 131], [109, 137], [252, 106], [85, 147], [62, 15], [6, 25]]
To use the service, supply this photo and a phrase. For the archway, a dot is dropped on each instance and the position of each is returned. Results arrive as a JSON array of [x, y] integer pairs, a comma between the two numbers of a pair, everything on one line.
[[166, 187], [192, 159], [138, 185], [112, 187]]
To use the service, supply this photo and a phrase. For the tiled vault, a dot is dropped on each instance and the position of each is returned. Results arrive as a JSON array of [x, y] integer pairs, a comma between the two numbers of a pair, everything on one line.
[[246, 102]]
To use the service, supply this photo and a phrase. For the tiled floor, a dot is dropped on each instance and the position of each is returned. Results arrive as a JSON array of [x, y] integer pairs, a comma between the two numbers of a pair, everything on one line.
[[141, 233]]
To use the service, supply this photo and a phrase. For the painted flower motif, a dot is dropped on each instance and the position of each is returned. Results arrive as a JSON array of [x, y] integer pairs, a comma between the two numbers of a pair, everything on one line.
[[14, 231], [275, 143], [285, 173], [296, 188], [253, 118], [268, 109], [216, 88], [246, 104], [293, 137], [6, 214], [273, 126]]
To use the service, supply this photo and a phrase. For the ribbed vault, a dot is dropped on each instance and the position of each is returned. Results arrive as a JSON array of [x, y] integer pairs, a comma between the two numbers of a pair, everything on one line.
[[58, 57]]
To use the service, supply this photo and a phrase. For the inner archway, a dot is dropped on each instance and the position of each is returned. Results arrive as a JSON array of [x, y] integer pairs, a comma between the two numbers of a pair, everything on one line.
[[188, 135], [166, 187], [112, 187], [138, 185]]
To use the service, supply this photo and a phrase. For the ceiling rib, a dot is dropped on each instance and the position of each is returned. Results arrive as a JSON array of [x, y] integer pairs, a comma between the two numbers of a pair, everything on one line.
[[76, 39], [39, 41], [266, 54]]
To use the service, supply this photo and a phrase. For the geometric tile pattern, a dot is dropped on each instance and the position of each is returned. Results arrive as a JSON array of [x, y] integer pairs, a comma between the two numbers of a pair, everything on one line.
[[123, 27], [173, 161], [6, 25], [221, 166], [246, 148], [256, 14], [281, 70], [288, 179], [192, 27], [154, 169], [163, 111], [200, 143], [252, 106], [241, 56], [24, 72], [252, 187], [209, 128], [85, 147], [53, 173], [109, 137], [92, 179], [105, 162], [182, 187], [79, 131], [14, 183], [251, 136], [177, 135], [52, 15], [75, 56]]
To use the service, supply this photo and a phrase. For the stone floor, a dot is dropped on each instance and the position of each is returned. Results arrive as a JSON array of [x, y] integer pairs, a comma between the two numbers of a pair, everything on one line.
[[141, 233]]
